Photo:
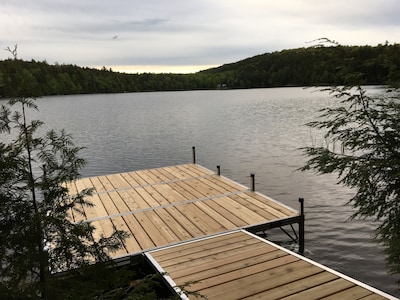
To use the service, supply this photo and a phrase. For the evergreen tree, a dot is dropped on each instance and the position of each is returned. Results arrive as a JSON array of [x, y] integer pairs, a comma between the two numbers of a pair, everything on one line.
[[363, 149], [38, 234]]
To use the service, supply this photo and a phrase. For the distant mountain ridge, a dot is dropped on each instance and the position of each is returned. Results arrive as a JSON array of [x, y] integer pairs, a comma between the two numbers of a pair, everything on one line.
[[295, 67]]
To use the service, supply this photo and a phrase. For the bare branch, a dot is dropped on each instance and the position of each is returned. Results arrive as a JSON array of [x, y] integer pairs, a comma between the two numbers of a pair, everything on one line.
[[14, 52]]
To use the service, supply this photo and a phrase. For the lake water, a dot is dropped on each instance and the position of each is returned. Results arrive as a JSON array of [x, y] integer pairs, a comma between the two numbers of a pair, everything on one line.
[[245, 131]]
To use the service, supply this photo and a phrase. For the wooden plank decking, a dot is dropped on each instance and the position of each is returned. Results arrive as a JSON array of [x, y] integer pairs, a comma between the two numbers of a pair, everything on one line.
[[189, 221], [164, 206], [239, 265]]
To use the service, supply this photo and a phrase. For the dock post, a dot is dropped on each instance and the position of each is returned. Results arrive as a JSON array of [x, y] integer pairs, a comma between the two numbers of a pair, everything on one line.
[[218, 170], [301, 227], [194, 154], [252, 176]]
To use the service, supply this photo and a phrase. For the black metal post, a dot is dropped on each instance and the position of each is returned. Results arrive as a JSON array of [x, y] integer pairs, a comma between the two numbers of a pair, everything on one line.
[[301, 227], [219, 170], [194, 154], [252, 176]]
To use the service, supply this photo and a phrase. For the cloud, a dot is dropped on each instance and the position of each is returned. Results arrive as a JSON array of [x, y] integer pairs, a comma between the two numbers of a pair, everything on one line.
[[181, 32]]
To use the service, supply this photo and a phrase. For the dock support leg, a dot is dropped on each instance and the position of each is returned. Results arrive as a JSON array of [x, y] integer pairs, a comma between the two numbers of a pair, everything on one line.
[[253, 185], [301, 227], [218, 170], [194, 154]]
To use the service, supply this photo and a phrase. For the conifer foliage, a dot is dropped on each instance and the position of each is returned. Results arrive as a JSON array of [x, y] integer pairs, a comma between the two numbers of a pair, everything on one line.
[[39, 236], [363, 149]]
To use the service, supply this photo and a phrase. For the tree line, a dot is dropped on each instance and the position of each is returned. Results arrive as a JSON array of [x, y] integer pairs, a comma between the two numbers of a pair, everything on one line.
[[314, 66], [294, 67]]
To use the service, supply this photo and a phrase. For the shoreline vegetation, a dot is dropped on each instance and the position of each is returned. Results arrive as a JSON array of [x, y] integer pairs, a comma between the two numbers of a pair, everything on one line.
[[313, 66]]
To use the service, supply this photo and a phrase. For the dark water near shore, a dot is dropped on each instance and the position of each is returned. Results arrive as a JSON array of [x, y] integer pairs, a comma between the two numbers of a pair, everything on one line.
[[245, 131]]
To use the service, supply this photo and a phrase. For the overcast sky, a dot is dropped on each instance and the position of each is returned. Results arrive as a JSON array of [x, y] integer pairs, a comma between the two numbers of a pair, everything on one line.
[[185, 35]]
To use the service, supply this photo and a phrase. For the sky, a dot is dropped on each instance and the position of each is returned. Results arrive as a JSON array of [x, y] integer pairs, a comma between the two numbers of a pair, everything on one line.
[[185, 36]]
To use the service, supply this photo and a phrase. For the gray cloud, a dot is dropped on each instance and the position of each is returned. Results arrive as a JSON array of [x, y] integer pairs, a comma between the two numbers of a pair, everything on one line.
[[181, 32]]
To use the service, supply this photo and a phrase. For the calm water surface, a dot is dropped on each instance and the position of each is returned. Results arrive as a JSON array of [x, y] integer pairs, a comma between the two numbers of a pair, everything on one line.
[[245, 131]]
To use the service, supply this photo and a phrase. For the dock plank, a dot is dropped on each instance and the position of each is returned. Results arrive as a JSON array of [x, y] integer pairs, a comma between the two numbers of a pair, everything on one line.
[[167, 174], [266, 211], [108, 204], [107, 185], [180, 217], [82, 184], [190, 172], [171, 195], [277, 206], [130, 199], [216, 184], [207, 224], [72, 191], [318, 286], [137, 231], [158, 197], [221, 182], [135, 199], [215, 288], [118, 181], [293, 286], [106, 228], [150, 177], [150, 227], [175, 226], [176, 173], [161, 176], [118, 202], [354, 292], [221, 219], [98, 206], [250, 257], [170, 252], [201, 267], [373, 297], [135, 177], [194, 187], [162, 229], [188, 254], [129, 179], [97, 185], [131, 245], [219, 206], [150, 201], [249, 216], [181, 189]]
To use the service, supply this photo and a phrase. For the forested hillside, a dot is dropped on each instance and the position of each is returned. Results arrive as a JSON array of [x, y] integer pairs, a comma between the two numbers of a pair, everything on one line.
[[314, 66], [296, 67]]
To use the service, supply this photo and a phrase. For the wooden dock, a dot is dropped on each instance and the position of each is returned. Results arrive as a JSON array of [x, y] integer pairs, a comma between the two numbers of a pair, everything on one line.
[[240, 265], [163, 206], [196, 225]]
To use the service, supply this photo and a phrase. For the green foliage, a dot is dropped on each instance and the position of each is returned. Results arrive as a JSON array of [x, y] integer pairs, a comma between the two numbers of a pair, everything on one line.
[[133, 281], [24, 78], [295, 67], [329, 65], [38, 234], [110, 282], [363, 149]]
